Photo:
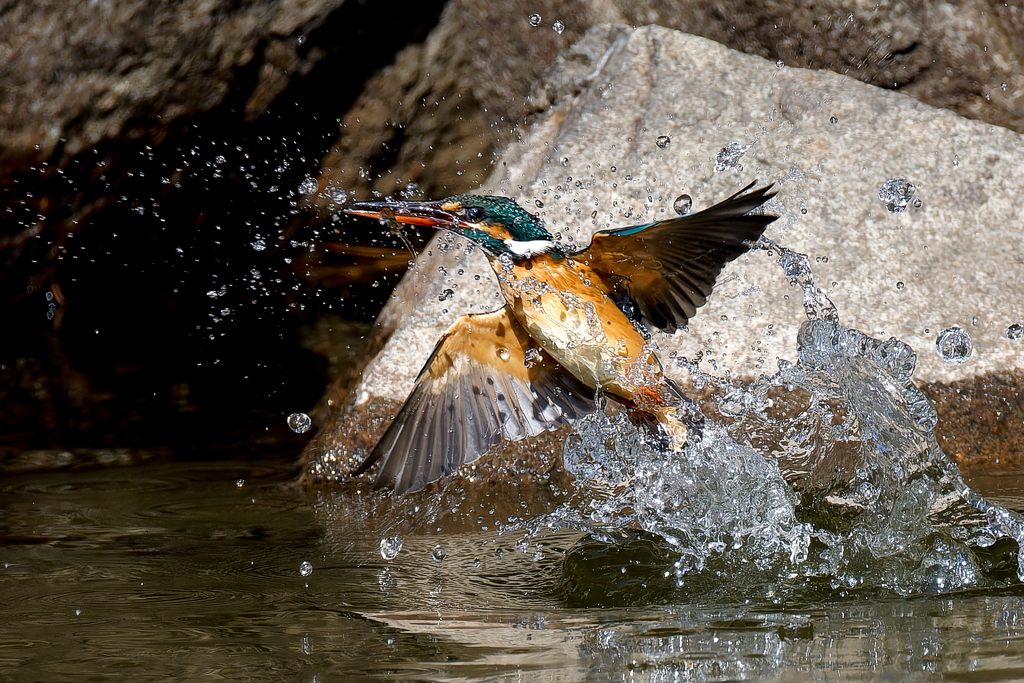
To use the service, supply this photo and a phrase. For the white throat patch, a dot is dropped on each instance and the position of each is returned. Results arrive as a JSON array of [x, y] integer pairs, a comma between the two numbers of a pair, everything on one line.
[[529, 248]]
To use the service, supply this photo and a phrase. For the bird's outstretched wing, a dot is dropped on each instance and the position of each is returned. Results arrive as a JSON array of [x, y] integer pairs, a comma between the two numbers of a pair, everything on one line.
[[486, 380], [661, 273]]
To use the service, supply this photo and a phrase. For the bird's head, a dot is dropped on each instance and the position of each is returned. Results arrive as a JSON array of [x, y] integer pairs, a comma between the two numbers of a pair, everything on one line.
[[497, 224]]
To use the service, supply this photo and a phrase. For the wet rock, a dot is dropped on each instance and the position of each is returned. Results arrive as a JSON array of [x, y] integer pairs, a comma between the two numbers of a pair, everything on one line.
[[80, 73], [829, 143], [427, 117]]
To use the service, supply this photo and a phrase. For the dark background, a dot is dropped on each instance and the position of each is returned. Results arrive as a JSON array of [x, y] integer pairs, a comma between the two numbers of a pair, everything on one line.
[[135, 310]]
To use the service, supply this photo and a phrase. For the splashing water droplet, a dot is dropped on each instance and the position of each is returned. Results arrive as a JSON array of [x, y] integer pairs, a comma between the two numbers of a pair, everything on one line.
[[439, 553], [336, 195], [299, 422], [682, 204], [779, 63], [308, 186], [558, 27], [259, 245], [446, 295], [240, 483], [390, 546], [534, 19], [564, 161], [954, 345], [305, 569], [900, 286], [956, 161], [896, 193], [917, 203], [663, 141], [503, 353], [729, 156], [1015, 332], [833, 119]]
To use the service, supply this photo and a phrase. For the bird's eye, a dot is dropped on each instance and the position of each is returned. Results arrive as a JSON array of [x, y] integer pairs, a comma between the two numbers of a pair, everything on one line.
[[474, 214]]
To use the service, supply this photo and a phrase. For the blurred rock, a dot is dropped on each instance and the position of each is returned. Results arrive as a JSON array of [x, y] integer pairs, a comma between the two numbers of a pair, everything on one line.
[[436, 115], [830, 144], [75, 74]]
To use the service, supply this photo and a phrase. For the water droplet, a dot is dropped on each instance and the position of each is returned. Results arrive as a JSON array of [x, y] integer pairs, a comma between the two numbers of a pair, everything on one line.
[[534, 19], [390, 546], [917, 203], [503, 353], [305, 569], [558, 27], [1015, 332], [956, 161], [77, 612], [954, 345], [663, 141], [299, 422], [308, 186], [336, 195], [564, 161], [682, 204], [896, 193], [439, 553], [729, 156], [220, 158], [900, 285], [539, 203], [259, 245], [833, 119], [240, 483], [446, 295], [779, 63]]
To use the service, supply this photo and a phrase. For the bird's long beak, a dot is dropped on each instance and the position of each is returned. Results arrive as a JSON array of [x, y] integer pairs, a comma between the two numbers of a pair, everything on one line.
[[410, 213]]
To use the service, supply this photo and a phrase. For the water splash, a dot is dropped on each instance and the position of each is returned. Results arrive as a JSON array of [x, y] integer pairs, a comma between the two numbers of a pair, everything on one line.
[[827, 472], [896, 193], [299, 422], [730, 155], [954, 345], [682, 204]]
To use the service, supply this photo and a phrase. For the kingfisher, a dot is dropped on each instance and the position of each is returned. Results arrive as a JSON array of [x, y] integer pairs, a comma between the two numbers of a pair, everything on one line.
[[575, 326]]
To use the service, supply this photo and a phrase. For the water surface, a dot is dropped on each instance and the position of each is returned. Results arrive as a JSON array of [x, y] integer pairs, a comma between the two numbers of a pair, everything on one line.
[[191, 571]]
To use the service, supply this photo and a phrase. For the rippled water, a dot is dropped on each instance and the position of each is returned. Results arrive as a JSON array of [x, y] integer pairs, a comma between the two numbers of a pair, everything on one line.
[[174, 571]]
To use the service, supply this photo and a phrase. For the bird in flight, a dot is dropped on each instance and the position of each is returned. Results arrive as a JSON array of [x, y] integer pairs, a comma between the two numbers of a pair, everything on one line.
[[574, 323]]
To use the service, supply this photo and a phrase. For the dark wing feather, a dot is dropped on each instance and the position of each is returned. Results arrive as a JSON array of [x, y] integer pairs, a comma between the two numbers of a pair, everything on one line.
[[475, 391], [665, 271]]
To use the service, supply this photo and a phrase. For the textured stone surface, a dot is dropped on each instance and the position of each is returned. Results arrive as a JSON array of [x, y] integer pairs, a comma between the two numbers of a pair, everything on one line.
[[829, 143], [425, 118], [76, 73]]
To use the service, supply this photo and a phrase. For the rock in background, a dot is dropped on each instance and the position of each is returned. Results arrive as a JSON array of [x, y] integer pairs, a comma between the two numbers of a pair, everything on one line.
[[76, 74], [636, 118], [436, 115]]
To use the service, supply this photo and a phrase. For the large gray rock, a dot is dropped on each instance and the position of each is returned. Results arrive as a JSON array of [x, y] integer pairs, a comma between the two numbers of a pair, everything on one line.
[[829, 143], [427, 117]]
